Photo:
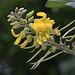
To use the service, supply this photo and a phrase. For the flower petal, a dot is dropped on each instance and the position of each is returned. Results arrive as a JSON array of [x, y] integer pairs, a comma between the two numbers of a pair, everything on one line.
[[44, 39], [13, 33], [47, 35], [47, 20], [41, 14], [39, 26], [24, 44], [17, 40], [48, 26], [52, 22], [39, 41]]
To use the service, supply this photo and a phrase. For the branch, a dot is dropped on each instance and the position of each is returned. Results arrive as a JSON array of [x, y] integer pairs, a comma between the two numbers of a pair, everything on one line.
[[63, 48]]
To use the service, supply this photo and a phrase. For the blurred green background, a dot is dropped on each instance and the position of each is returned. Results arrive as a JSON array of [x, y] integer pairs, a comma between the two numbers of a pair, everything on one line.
[[12, 58]]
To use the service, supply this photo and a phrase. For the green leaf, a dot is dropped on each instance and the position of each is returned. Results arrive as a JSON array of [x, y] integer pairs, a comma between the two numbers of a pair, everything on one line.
[[55, 3], [60, 3]]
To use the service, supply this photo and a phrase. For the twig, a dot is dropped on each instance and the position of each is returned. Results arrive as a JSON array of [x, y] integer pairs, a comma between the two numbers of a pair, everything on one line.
[[64, 49], [52, 56]]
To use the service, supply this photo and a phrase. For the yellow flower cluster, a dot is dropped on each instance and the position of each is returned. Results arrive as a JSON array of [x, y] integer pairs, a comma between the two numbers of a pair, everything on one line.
[[43, 24], [42, 27]]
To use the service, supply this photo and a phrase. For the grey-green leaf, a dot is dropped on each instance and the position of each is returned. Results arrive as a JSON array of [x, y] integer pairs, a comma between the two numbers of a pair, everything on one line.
[[72, 4]]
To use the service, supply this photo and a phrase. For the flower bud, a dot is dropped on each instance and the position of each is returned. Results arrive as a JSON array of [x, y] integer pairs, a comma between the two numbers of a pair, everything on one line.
[[21, 9], [35, 20], [26, 29], [47, 35], [52, 22], [30, 14], [44, 46], [36, 45], [12, 13], [17, 41], [16, 27], [57, 32], [39, 41], [29, 38], [53, 49], [9, 20], [31, 19], [23, 34], [24, 44], [19, 14], [24, 11], [14, 23], [68, 46], [30, 25], [44, 39], [16, 9], [8, 15], [25, 21], [13, 18]]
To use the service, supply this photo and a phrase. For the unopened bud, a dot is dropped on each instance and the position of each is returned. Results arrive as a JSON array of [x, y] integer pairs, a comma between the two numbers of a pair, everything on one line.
[[21, 9], [57, 32], [8, 15], [12, 13], [9, 20], [53, 49], [31, 19], [47, 35], [24, 44], [44, 46], [36, 45], [19, 14], [24, 11], [25, 21], [14, 23], [16, 27], [23, 34], [35, 20], [52, 22], [12, 18], [16, 9], [30, 24], [68, 46], [30, 14], [29, 38], [26, 29], [44, 39], [39, 41]]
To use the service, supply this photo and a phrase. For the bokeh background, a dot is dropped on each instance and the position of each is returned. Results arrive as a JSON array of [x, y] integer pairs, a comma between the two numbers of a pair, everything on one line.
[[12, 58]]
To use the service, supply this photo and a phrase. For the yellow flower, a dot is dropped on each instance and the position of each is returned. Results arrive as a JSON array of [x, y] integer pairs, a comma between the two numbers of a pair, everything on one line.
[[43, 24], [19, 36], [42, 27]]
